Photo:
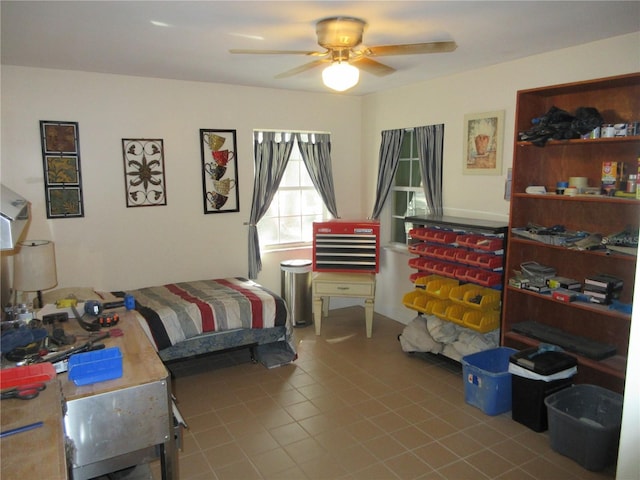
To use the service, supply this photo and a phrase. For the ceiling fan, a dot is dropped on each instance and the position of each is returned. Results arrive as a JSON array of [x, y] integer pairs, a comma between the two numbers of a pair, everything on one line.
[[340, 36]]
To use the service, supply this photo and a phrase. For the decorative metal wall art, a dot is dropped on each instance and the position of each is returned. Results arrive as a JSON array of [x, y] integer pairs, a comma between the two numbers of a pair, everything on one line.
[[144, 172], [62, 174], [219, 171]]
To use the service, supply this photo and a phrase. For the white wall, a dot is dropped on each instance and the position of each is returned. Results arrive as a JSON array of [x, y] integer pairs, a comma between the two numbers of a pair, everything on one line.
[[115, 247]]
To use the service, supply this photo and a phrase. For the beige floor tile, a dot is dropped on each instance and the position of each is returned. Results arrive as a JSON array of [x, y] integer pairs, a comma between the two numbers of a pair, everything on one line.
[[350, 408], [287, 434], [364, 430], [371, 408], [541, 469], [407, 466], [336, 440], [204, 421], [254, 444], [376, 471], [224, 455], [212, 437], [435, 455], [355, 458], [515, 474], [244, 427], [413, 413], [323, 468], [461, 470], [293, 473], [384, 447], [302, 410], [241, 470], [389, 422], [318, 424], [273, 461], [305, 450], [274, 418], [192, 465], [328, 402], [436, 427], [490, 463], [233, 413], [462, 444], [411, 437], [514, 452]]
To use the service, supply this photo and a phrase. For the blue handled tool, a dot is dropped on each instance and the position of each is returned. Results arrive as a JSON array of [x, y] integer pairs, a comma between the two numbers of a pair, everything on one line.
[[24, 428]]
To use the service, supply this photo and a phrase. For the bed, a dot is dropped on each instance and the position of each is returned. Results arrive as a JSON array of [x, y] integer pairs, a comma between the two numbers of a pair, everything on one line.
[[193, 318], [188, 319]]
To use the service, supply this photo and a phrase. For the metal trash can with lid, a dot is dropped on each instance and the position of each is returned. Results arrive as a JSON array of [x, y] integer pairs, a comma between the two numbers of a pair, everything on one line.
[[295, 288]]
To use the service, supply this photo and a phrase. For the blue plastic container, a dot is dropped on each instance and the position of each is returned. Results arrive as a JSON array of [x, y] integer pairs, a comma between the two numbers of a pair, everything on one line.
[[487, 381], [98, 366]]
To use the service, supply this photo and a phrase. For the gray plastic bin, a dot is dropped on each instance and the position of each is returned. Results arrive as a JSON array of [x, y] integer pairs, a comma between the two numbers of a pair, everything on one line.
[[295, 288], [584, 424]]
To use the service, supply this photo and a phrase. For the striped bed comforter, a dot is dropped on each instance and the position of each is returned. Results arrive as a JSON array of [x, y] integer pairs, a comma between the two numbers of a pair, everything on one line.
[[180, 311]]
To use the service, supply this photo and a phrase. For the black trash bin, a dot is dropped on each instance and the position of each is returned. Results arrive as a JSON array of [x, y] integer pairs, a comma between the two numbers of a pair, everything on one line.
[[295, 288], [536, 374]]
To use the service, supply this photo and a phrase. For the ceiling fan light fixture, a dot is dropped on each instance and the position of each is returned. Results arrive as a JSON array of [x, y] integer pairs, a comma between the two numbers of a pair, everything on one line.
[[340, 76]]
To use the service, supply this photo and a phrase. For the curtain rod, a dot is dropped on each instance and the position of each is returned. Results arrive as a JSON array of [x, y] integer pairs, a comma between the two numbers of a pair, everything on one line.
[[287, 131]]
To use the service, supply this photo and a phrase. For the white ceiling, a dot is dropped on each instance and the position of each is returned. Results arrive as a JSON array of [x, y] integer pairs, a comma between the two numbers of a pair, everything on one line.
[[118, 36]]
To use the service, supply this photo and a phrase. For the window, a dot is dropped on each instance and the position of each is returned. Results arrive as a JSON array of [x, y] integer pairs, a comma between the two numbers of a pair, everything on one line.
[[296, 205], [406, 196]]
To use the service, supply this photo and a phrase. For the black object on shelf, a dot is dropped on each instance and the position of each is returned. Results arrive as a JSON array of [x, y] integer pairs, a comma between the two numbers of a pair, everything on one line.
[[573, 343]]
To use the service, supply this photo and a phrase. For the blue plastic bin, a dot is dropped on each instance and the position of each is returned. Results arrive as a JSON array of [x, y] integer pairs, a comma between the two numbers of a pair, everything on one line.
[[487, 381], [92, 367]]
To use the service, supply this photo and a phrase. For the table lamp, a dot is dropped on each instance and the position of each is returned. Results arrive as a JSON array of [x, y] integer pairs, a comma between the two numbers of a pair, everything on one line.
[[34, 268]]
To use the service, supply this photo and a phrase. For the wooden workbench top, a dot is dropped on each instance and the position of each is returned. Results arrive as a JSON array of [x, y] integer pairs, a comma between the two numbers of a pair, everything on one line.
[[140, 361], [37, 453]]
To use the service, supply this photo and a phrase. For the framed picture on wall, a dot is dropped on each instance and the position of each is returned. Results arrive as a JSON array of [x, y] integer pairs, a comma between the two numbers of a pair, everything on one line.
[[219, 171], [62, 173], [144, 182], [483, 143]]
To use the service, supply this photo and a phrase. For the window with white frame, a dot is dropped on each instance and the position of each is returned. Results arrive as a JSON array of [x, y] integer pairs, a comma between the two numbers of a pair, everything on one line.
[[296, 205], [406, 195]]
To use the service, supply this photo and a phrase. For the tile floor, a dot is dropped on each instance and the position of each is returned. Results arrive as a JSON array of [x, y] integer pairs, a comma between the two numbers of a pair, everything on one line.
[[350, 408]]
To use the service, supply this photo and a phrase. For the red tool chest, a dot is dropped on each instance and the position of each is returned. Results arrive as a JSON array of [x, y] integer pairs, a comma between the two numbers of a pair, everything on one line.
[[346, 246]]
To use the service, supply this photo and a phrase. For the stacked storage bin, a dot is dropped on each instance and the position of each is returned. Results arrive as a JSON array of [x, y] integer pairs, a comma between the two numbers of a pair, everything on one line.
[[469, 305]]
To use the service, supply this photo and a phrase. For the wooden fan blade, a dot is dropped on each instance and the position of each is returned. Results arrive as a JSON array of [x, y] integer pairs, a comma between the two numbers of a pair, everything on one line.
[[274, 52], [412, 48], [372, 66], [301, 68]]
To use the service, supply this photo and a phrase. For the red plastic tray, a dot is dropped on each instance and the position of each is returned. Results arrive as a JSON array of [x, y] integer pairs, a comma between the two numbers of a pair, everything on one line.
[[480, 242], [16, 376]]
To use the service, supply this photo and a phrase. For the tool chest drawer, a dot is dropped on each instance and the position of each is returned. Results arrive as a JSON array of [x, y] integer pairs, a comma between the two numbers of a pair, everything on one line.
[[346, 246]]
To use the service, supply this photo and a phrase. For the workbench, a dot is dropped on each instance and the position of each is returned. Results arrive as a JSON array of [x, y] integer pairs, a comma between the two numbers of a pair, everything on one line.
[[123, 422], [112, 424]]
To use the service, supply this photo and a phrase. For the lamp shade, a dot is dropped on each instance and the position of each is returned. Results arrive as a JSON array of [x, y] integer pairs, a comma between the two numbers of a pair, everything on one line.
[[34, 266], [340, 76]]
